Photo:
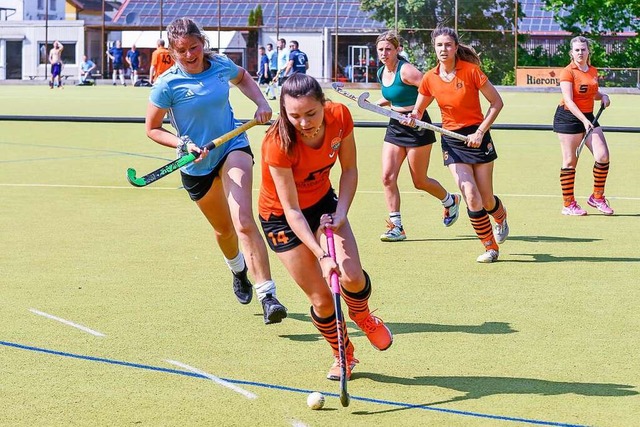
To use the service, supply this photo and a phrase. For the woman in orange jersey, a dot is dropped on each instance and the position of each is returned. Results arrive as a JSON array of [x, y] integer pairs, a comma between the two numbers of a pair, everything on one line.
[[297, 201], [574, 117], [399, 81], [456, 83]]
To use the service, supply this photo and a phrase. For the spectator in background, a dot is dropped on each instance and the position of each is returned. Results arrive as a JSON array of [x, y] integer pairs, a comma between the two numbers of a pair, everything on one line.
[[116, 56], [86, 68], [264, 75], [298, 61], [55, 59], [273, 69], [133, 59], [283, 61], [161, 61]]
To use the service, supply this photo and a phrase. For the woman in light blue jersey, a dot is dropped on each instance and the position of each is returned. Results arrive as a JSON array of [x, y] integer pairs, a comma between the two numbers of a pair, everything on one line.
[[195, 95]]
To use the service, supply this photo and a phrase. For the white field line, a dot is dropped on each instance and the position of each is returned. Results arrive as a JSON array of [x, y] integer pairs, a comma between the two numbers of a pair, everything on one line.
[[130, 187], [215, 379], [67, 322], [296, 423]]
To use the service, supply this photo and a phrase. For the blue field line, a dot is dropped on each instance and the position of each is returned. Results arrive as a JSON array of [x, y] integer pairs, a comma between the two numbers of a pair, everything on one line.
[[285, 388]]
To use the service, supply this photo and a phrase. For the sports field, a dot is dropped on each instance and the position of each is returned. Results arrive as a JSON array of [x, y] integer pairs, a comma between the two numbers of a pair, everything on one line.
[[117, 308]]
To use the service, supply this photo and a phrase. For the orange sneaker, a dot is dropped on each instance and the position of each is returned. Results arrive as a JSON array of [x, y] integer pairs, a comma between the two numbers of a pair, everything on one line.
[[377, 332], [334, 372]]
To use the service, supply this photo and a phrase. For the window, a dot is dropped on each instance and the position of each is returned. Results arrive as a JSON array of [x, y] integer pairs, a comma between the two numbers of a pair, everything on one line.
[[68, 54], [40, 4], [53, 5]]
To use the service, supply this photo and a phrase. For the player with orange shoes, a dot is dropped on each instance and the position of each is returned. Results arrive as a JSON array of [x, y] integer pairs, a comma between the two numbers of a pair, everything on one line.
[[297, 201]]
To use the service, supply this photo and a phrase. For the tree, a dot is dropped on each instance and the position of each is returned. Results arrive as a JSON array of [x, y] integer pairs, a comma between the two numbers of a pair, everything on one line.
[[480, 24], [595, 17]]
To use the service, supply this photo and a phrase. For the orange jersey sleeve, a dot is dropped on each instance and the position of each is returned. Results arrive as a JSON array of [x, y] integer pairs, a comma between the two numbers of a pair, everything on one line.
[[310, 166], [459, 99], [584, 86]]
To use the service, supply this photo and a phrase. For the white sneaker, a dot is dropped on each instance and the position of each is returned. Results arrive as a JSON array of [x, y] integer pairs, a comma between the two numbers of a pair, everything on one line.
[[501, 231], [489, 256], [393, 234]]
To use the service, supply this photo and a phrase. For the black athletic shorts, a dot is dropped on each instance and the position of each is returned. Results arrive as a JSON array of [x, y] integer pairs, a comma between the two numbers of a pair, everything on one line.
[[455, 151], [198, 186], [279, 235], [406, 136], [565, 122]]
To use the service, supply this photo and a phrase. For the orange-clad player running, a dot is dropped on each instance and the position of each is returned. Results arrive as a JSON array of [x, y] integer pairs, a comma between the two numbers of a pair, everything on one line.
[[297, 201], [455, 83], [574, 117]]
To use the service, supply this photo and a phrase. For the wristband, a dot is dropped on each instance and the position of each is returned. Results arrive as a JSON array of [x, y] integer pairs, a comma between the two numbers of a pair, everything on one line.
[[324, 255], [181, 148]]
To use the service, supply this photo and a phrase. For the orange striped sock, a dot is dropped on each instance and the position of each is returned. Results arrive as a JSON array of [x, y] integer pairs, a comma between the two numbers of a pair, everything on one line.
[[328, 328], [482, 226], [567, 182], [358, 303], [498, 212], [600, 172]]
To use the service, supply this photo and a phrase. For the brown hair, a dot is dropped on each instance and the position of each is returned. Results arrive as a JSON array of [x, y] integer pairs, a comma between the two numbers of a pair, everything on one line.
[[185, 27], [464, 52], [297, 85]]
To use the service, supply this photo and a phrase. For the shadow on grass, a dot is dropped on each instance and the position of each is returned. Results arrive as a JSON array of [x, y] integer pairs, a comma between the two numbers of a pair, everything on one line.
[[479, 387], [553, 258], [486, 328]]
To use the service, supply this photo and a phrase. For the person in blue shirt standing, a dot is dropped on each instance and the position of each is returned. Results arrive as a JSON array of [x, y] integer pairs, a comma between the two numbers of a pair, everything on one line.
[[273, 69], [133, 59], [116, 56], [298, 61], [195, 95]]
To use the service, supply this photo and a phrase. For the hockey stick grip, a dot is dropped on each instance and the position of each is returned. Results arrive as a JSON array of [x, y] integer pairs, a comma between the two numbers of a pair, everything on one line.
[[586, 135], [335, 281]]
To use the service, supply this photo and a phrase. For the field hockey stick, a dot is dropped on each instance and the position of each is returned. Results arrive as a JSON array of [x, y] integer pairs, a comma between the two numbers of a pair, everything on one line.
[[184, 160], [586, 135], [342, 352], [363, 103]]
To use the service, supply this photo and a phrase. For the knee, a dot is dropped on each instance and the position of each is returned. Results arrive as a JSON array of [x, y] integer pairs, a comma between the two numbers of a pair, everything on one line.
[[388, 180], [322, 305]]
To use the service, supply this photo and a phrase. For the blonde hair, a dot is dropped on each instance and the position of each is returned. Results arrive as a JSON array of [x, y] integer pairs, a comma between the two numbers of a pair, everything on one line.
[[580, 39]]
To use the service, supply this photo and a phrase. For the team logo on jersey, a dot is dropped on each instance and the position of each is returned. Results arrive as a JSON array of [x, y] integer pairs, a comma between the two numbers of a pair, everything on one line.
[[189, 94], [335, 144], [459, 85], [445, 155]]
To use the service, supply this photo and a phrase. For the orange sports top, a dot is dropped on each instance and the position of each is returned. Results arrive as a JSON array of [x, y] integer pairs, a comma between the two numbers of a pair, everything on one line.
[[584, 86], [310, 166], [459, 99]]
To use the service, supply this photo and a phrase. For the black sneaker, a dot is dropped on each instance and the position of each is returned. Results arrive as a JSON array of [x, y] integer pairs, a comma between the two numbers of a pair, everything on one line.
[[242, 287], [274, 312]]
